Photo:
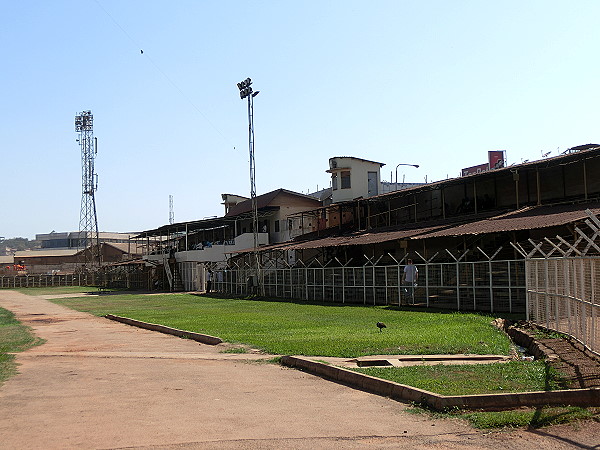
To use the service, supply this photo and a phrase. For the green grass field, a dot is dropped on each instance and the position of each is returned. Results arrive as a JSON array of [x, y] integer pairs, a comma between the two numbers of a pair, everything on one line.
[[512, 376], [309, 329], [14, 337]]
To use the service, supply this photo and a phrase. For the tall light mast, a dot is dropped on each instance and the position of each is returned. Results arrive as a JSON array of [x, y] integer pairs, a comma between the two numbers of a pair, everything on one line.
[[247, 92], [88, 220]]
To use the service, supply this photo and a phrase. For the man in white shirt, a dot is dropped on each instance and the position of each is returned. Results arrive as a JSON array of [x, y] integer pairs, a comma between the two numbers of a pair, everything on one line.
[[409, 278]]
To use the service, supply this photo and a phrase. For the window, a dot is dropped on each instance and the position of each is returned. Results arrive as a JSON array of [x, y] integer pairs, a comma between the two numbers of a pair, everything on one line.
[[334, 178], [346, 180], [277, 226]]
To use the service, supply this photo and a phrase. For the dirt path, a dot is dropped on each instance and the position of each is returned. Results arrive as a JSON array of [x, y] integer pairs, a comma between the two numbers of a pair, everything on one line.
[[101, 384]]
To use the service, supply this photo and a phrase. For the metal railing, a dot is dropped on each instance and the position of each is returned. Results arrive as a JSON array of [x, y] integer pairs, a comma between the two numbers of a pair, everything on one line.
[[23, 281], [495, 286], [124, 280]]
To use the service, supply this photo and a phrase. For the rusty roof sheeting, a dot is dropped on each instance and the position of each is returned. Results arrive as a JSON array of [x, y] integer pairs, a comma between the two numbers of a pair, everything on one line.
[[528, 218], [352, 239]]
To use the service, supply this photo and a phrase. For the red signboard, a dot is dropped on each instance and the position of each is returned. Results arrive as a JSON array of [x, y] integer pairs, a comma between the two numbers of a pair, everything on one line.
[[497, 159], [475, 169]]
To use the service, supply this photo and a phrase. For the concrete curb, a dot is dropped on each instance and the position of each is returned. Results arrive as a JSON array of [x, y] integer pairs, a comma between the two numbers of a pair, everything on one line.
[[527, 340], [400, 392], [204, 338]]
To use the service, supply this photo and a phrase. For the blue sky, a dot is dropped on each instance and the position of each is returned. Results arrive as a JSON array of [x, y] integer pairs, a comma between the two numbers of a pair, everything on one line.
[[434, 83]]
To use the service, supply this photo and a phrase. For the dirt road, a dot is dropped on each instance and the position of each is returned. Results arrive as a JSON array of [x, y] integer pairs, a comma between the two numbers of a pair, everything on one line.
[[102, 384]]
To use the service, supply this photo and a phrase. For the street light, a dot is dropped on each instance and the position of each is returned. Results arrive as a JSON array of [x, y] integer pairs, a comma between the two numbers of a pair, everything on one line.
[[402, 164]]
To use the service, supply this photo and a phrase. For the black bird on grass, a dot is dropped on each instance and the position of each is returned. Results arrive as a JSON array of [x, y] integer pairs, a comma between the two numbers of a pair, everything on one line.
[[381, 326]]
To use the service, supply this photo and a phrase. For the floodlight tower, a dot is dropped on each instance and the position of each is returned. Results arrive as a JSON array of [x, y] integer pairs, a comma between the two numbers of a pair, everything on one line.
[[171, 211], [247, 92], [88, 221]]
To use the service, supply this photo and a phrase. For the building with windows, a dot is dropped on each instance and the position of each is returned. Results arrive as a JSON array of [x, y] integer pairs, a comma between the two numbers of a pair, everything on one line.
[[352, 178], [76, 239], [183, 249]]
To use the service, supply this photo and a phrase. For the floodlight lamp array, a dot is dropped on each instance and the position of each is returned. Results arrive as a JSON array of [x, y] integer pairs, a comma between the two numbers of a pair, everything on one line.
[[244, 87], [84, 121]]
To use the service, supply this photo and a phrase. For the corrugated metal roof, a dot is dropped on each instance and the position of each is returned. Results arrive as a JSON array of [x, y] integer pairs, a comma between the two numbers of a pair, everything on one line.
[[590, 150], [352, 239], [126, 247], [264, 200], [46, 252], [362, 239], [528, 218]]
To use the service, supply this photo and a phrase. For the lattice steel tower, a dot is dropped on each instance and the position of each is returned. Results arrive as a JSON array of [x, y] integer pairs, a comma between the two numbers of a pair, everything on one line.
[[88, 221]]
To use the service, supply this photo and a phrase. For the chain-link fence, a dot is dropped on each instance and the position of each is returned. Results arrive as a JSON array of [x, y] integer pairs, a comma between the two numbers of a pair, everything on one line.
[[564, 295], [563, 291]]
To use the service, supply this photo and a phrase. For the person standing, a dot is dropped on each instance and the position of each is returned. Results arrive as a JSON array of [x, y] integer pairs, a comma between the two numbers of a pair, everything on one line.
[[409, 279], [209, 275]]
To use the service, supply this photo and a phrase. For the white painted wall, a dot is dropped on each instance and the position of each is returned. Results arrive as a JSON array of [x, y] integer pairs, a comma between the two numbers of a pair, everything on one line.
[[359, 170]]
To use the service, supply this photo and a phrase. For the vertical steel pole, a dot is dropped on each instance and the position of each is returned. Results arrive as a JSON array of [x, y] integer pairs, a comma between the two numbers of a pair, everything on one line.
[[546, 286], [594, 305]]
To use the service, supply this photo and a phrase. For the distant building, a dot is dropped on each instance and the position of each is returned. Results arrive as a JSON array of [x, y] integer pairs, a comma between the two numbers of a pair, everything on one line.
[[75, 239], [67, 260]]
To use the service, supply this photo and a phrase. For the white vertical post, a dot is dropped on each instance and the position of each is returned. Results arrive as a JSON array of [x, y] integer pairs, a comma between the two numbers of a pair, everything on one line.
[[491, 281], [536, 295], [386, 285], [473, 284], [556, 297], [323, 281], [582, 297], [306, 281], [568, 293], [509, 288], [427, 281], [333, 284], [374, 289], [343, 284], [364, 286], [594, 306], [546, 300], [457, 287]]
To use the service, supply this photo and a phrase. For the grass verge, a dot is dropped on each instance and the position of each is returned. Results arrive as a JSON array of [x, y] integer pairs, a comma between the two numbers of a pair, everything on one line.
[[467, 379], [299, 328], [521, 418], [14, 337]]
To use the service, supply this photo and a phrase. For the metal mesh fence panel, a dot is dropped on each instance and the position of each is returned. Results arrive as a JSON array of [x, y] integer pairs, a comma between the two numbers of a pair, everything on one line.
[[496, 286], [562, 295]]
